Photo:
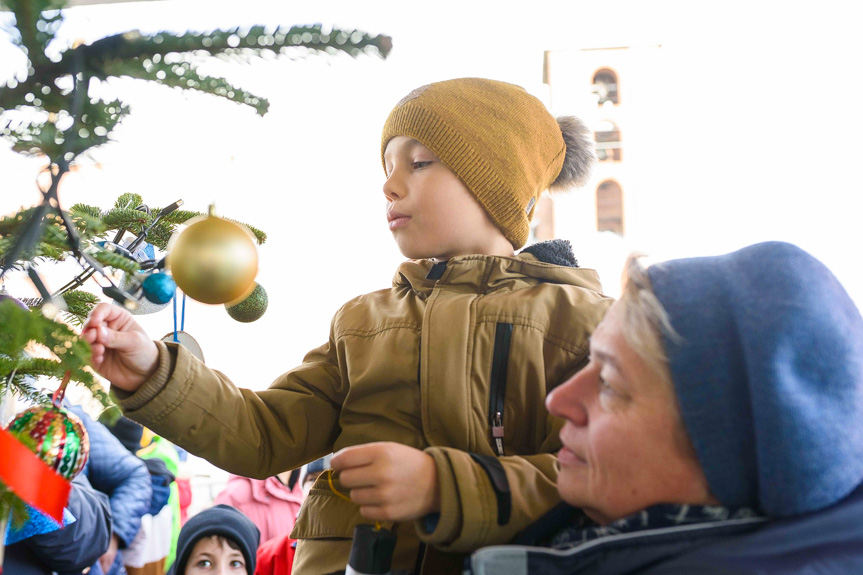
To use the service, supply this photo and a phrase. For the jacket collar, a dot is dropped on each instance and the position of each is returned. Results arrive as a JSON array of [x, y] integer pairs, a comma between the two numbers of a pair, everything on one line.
[[551, 262]]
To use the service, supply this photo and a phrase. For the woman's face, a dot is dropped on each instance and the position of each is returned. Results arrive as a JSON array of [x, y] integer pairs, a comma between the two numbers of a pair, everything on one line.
[[624, 445], [213, 556]]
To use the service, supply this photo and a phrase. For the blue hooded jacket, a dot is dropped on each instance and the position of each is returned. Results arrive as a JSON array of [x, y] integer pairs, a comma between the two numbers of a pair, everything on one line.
[[123, 477], [71, 549]]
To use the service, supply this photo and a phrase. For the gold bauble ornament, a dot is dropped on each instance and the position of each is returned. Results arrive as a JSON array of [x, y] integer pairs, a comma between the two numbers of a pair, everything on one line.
[[213, 260]]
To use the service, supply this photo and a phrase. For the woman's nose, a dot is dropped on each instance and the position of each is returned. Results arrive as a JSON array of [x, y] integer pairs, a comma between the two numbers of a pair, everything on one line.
[[567, 399]]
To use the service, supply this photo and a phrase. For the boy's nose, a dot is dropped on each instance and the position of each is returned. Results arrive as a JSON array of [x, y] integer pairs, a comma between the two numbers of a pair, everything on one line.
[[393, 189]]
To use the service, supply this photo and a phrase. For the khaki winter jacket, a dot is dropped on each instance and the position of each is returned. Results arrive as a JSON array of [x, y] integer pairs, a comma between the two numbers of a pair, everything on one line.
[[429, 363]]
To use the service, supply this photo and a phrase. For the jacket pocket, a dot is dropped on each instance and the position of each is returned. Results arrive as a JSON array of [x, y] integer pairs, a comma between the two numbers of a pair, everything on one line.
[[325, 515], [497, 384]]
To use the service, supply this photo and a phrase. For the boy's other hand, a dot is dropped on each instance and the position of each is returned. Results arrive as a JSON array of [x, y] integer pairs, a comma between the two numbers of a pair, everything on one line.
[[123, 353], [389, 481]]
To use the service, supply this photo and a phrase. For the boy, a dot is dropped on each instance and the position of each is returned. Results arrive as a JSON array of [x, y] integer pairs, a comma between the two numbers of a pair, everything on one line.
[[436, 385], [217, 541]]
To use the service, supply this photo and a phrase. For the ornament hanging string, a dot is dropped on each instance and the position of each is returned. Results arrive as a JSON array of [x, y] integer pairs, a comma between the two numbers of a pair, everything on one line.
[[60, 392], [182, 317]]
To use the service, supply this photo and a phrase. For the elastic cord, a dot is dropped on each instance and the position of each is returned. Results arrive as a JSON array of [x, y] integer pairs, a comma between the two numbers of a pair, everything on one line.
[[343, 496]]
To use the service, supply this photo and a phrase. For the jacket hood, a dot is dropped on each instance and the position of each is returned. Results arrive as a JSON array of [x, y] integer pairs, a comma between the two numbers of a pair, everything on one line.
[[263, 489], [769, 375], [551, 261]]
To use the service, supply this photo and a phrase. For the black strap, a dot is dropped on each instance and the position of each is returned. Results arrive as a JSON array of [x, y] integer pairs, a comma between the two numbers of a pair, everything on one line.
[[292, 480], [500, 484], [421, 555]]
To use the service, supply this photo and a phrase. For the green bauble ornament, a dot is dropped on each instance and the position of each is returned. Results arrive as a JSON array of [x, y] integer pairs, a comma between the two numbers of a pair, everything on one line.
[[251, 308]]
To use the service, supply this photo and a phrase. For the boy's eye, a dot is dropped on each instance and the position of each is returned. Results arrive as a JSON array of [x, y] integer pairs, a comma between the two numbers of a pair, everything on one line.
[[420, 164]]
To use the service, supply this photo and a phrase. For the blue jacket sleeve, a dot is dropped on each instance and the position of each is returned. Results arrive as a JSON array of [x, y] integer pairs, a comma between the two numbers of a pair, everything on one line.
[[113, 470], [80, 544]]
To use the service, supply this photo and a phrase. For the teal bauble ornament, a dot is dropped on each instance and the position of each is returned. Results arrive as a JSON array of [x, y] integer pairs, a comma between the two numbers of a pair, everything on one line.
[[159, 288], [132, 285], [251, 308]]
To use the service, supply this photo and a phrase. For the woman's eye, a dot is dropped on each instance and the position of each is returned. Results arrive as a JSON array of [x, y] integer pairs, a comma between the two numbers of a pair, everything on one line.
[[238, 564], [419, 165], [603, 385], [204, 563]]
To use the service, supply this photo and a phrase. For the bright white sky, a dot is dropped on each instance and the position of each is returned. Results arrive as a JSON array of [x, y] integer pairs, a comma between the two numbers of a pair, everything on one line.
[[765, 146]]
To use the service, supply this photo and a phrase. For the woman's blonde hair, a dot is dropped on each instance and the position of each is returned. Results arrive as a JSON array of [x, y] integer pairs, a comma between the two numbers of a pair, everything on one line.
[[645, 321]]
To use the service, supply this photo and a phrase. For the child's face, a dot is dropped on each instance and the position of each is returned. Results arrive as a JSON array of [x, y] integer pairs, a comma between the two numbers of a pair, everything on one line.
[[213, 556], [430, 211]]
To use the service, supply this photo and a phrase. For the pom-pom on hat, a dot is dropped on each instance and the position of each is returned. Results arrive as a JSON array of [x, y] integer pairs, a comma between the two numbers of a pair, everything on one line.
[[500, 141], [769, 375]]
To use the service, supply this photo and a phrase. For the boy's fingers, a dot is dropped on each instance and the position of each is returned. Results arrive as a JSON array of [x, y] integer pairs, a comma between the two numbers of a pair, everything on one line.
[[99, 313], [356, 456]]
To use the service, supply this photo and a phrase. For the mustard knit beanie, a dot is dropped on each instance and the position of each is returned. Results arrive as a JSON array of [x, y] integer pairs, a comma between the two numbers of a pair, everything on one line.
[[500, 141]]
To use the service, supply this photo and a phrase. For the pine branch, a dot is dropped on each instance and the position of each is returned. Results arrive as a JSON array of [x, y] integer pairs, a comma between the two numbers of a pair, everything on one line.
[[185, 77], [116, 260], [128, 200], [21, 327], [260, 236], [79, 304], [45, 120], [69, 353], [126, 219], [53, 243], [20, 385], [37, 22]]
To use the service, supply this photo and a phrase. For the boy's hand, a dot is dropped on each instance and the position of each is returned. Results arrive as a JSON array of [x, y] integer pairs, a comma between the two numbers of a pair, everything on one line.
[[389, 481], [123, 353]]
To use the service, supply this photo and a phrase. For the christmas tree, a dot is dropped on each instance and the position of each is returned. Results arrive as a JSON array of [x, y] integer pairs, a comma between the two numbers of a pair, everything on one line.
[[49, 111]]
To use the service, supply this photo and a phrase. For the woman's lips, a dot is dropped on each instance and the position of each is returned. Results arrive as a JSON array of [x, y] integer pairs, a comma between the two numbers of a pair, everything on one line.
[[567, 457]]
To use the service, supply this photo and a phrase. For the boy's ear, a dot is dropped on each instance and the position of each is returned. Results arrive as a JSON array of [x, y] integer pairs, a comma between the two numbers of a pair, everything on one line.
[[580, 155]]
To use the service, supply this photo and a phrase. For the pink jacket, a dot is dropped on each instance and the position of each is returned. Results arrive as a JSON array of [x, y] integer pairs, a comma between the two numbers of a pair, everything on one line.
[[267, 502]]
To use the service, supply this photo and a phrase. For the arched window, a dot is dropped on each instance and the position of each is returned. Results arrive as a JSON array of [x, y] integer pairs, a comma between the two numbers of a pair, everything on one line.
[[608, 147], [605, 86], [609, 207]]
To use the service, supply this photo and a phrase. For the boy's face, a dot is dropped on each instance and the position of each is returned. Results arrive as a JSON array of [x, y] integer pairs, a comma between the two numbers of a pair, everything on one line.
[[430, 211], [213, 556]]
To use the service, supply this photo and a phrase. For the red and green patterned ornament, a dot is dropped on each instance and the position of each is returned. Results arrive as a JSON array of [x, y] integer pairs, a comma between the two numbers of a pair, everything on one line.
[[59, 438]]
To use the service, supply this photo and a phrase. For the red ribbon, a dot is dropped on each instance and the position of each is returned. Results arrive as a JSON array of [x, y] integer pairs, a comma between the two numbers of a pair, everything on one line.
[[32, 479]]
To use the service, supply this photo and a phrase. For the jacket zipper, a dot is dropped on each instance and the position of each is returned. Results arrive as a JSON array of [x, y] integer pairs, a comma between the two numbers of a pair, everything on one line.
[[497, 384]]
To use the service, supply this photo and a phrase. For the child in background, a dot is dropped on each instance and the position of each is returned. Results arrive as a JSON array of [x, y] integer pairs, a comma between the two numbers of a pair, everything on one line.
[[219, 540], [432, 392], [272, 503]]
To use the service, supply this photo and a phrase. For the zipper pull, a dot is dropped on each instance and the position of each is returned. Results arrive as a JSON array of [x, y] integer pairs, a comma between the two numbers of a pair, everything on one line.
[[497, 432]]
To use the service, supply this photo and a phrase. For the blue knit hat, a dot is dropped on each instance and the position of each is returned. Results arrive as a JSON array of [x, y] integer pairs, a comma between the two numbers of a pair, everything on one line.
[[769, 374]]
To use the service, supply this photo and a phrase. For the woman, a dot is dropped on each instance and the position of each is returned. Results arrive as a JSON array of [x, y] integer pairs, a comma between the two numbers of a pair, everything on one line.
[[718, 428]]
